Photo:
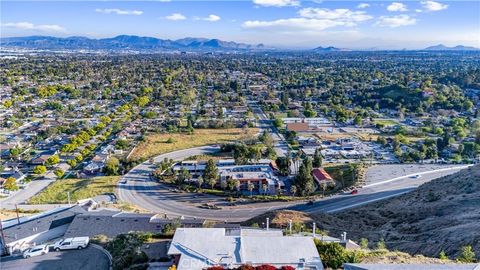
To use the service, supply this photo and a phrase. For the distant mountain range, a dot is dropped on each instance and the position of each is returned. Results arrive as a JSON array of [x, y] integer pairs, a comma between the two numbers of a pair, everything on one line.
[[442, 47], [151, 44], [329, 49], [124, 42]]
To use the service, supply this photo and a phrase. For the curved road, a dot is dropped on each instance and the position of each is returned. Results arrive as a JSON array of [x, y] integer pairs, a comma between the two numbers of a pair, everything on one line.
[[139, 189]]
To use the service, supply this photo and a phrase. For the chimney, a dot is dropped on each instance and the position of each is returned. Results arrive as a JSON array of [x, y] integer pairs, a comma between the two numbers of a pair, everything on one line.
[[268, 223], [314, 229]]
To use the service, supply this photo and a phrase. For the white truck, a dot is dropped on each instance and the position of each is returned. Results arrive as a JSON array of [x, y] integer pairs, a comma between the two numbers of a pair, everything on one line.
[[71, 243]]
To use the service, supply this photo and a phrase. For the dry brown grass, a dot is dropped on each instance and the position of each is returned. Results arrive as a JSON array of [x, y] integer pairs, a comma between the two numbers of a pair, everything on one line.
[[157, 144]]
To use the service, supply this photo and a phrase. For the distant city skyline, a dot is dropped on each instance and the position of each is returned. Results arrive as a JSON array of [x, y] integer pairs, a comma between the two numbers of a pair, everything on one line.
[[278, 23]]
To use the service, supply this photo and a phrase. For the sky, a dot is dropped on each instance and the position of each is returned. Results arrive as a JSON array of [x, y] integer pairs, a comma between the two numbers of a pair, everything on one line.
[[279, 23]]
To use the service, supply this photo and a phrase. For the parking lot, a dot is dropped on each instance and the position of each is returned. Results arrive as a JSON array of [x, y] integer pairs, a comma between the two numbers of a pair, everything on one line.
[[381, 173], [89, 258]]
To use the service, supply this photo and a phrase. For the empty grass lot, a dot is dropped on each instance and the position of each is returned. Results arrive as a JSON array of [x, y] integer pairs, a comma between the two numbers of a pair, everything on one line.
[[157, 144], [79, 189]]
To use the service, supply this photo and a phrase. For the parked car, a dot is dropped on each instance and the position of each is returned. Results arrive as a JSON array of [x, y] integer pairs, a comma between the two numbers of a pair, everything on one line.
[[72, 243], [354, 192], [35, 251]]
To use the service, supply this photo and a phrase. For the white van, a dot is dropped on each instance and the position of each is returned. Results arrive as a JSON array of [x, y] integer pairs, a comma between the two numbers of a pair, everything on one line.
[[71, 243]]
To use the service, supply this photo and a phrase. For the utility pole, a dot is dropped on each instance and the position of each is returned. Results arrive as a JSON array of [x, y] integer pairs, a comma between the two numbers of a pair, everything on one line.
[[68, 197], [16, 210], [4, 244]]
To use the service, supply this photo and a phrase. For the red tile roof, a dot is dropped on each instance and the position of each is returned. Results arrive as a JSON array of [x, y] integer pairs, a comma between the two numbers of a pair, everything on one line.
[[321, 175]]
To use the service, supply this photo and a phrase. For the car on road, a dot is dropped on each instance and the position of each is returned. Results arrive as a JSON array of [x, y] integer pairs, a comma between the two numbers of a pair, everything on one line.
[[35, 251], [72, 243], [416, 176], [209, 206], [354, 192], [310, 202]]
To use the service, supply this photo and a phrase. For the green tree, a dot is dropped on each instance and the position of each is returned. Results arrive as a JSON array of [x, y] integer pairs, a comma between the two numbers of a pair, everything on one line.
[[333, 255], [364, 243], [250, 187], [59, 173], [241, 154], [211, 173], [40, 169], [293, 190], [304, 179], [112, 166], [10, 184], [442, 255], [200, 182], [52, 160], [467, 256], [381, 244], [317, 158]]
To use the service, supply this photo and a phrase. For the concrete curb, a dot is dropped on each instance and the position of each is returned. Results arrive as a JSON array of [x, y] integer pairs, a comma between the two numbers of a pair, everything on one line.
[[109, 256]]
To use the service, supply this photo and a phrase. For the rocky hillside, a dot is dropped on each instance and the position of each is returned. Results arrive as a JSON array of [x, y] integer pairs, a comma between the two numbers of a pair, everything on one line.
[[443, 214]]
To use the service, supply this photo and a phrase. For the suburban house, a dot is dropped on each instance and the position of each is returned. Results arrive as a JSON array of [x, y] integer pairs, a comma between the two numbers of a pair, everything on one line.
[[82, 219], [322, 177], [199, 248], [298, 127]]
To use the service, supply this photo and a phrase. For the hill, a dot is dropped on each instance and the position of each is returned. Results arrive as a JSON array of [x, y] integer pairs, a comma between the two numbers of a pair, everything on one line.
[[443, 214], [442, 47], [327, 49], [124, 42]]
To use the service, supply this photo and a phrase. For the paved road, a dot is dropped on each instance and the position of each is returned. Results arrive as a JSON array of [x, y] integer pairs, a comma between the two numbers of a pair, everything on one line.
[[379, 190], [264, 123], [23, 195], [88, 259], [146, 193], [139, 189]]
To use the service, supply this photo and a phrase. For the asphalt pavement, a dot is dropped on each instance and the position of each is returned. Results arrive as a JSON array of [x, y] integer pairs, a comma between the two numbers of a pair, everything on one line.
[[139, 189], [90, 258]]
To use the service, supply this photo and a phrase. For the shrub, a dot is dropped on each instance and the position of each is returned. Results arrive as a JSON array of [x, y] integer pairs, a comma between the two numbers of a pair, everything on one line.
[[333, 255], [246, 267], [467, 256], [287, 267], [216, 268], [265, 267]]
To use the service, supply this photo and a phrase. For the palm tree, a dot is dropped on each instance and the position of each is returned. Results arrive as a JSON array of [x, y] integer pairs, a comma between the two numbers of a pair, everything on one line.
[[251, 186], [323, 186], [293, 190], [264, 188], [200, 182]]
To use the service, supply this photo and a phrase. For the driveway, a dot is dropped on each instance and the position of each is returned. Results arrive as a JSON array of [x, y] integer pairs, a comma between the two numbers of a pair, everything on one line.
[[90, 258]]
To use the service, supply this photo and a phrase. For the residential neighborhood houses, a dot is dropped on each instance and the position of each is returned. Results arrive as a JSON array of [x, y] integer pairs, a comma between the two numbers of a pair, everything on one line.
[[281, 132]]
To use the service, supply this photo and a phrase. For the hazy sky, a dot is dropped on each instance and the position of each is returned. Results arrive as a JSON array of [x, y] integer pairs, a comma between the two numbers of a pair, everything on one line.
[[280, 23]]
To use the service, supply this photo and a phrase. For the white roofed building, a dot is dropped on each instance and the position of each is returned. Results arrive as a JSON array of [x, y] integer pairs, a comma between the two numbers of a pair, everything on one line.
[[200, 248]]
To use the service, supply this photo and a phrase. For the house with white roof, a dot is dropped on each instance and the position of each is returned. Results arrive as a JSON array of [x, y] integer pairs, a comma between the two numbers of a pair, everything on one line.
[[200, 248]]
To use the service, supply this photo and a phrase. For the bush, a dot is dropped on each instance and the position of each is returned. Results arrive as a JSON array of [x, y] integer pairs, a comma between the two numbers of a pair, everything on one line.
[[333, 255], [467, 256], [265, 267]]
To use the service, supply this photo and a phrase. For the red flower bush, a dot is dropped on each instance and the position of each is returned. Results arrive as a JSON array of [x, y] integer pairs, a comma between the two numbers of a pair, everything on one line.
[[215, 268], [265, 267], [246, 267]]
